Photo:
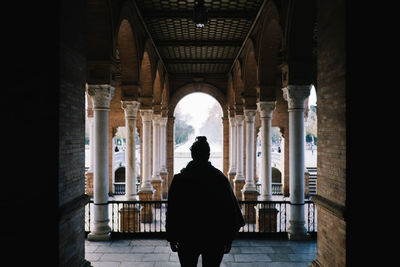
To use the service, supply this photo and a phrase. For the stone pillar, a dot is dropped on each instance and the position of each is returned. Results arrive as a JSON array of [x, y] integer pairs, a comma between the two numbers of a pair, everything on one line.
[[239, 178], [266, 108], [130, 108], [163, 156], [89, 173], [232, 149], [249, 190], [156, 180], [101, 96], [146, 189], [296, 96]]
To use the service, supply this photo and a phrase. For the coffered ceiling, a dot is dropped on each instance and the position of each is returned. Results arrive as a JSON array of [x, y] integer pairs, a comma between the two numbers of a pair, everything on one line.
[[190, 51]]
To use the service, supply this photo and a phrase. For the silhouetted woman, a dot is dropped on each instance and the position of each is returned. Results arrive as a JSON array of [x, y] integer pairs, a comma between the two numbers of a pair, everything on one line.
[[203, 215]]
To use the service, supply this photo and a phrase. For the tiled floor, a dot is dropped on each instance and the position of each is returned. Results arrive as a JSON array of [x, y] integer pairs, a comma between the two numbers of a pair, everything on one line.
[[157, 253]]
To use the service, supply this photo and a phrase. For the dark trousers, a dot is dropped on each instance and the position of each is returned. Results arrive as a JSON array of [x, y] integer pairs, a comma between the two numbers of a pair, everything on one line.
[[211, 257]]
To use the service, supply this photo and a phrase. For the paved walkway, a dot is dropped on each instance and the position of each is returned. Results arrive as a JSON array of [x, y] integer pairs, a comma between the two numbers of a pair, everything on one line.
[[157, 253]]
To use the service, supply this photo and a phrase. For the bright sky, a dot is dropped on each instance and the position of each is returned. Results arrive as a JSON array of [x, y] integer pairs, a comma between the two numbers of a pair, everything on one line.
[[197, 105], [313, 97]]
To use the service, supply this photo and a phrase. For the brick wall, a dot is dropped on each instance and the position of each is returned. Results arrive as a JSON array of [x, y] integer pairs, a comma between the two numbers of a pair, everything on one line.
[[331, 107], [71, 149]]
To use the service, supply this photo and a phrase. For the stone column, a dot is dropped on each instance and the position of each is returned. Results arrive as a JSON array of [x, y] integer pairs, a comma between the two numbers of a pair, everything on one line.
[[232, 149], [146, 189], [130, 108], [249, 190], [296, 96], [89, 173], [156, 180], [91, 145], [163, 155], [101, 96], [239, 178], [266, 108], [129, 213]]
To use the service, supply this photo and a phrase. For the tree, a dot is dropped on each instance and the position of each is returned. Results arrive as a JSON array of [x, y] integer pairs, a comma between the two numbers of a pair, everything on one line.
[[182, 129], [212, 126]]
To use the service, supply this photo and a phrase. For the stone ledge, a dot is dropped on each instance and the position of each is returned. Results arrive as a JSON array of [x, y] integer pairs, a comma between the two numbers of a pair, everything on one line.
[[333, 207], [69, 207]]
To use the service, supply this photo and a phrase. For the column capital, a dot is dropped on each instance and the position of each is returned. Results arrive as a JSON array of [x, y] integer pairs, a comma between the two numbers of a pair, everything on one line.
[[296, 95], [130, 108], [156, 117], [232, 121], [239, 119], [163, 121], [146, 114], [250, 114], [101, 95], [266, 108]]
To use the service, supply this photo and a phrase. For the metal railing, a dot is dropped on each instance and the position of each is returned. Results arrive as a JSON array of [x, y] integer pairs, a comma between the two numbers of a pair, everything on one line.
[[270, 218]]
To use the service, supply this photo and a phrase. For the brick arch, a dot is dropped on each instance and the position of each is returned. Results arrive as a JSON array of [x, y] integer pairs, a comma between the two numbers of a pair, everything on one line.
[[197, 88], [146, 81], [128, 54], [165, 94], [238, 86], [299, 41], [157, 88], [230, 95], [269, 45], [249, 75]]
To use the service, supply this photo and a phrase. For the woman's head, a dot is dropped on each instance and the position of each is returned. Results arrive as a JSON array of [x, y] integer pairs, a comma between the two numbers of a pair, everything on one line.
[[200, 149]]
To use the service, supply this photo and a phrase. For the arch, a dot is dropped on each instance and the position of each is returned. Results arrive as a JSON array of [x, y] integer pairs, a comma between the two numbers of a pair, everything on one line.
[[119, 175], [230, 94], [276, 175], [250, 75], [299, 42], [128, 54], [165, 94], [197, 88], [146, 82], [157, 87], [238, 86], [100, 38], [269, 46]]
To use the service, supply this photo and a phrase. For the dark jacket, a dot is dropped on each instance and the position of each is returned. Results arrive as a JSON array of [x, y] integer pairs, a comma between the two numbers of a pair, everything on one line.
[[202, 208]]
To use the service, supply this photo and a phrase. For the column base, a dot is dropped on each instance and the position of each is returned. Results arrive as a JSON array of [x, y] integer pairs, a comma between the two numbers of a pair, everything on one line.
[[237, 188], [249, 210], [266, 219], [99, 237], [297, 231]]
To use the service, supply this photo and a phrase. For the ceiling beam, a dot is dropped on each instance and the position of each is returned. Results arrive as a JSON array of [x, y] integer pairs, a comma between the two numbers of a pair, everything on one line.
[[199, 61], [188, 14], [198, 43]]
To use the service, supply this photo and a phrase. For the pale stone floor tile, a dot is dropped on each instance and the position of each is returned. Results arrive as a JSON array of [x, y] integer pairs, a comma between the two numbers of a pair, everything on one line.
[[157, 253]]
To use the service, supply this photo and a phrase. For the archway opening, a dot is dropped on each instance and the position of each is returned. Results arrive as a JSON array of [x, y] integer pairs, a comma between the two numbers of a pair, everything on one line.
[[310, 125], [197, 114]]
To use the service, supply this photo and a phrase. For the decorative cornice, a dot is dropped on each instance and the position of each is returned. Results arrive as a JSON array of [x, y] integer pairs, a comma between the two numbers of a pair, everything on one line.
[[130, 108], [266, 108], [101, 96], [296, 95]]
